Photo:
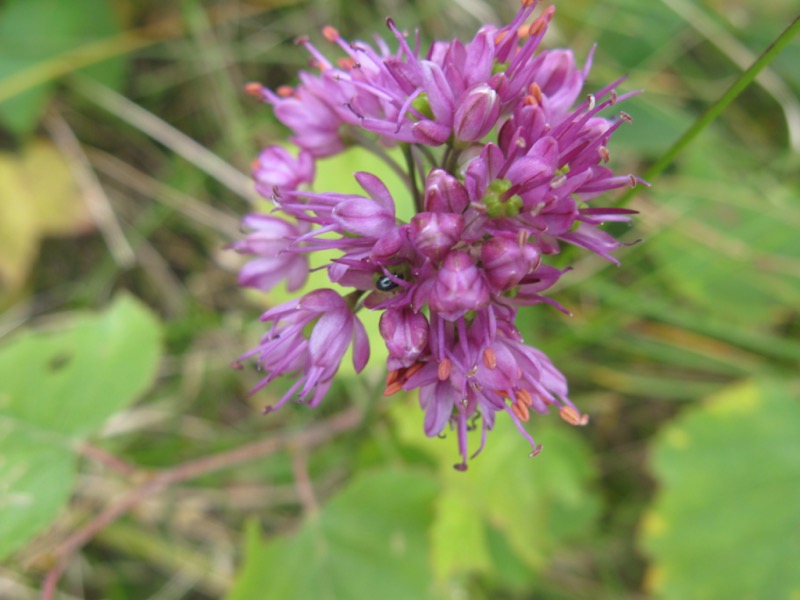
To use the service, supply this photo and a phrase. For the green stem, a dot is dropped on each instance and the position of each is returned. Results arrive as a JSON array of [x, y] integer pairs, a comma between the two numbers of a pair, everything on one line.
[[713, 111], [412, 173]]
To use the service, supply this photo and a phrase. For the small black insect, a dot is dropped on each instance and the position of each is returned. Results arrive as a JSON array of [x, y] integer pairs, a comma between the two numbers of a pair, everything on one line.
[[384, 283]]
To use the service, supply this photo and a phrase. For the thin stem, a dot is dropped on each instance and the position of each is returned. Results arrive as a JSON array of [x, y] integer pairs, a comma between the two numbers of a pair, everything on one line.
[[376, 149], [428, 154], [92, 191], [713, 111], [312, 436], [107, 459], [408, 152], [159, 130]]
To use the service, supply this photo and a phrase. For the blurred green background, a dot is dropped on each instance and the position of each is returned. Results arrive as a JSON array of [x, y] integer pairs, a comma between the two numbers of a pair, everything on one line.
[[125, 143]]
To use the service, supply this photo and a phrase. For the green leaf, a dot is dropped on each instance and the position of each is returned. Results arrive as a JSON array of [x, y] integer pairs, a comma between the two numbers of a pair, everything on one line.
[[537, 504], [725, 522], [35, 31], [37, 472], [56, 387], [367, 542]]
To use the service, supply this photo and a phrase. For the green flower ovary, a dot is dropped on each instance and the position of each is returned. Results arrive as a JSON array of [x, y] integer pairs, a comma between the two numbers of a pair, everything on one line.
[[497, 205]]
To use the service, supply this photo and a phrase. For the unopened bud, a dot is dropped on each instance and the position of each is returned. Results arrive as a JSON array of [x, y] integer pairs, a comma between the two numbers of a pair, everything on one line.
[[445, 193], [476, 114], [434, 233]]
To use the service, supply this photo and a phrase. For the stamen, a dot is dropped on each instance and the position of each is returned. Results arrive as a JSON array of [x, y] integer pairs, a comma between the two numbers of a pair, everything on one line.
[[285, 91], [571, 415], [521, 410], [625, 117], [489, 358], [499, 37], [536, 92], [253, 88], [604, 154], [413, 370], [444, 369], [392, 389], [330, 33], [536, 451], [524, 396], [395, 375], [347, 63], [541, 23]]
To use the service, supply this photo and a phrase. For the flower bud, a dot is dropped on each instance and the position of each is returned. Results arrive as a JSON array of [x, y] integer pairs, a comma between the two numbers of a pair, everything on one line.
[[445, 193], [434, 233], [430, 133], [559, 79], [459, 287], [477, 113], [269, 242], [406, 335], [391, 244], [363, 216], [505, 262], [275, 167]]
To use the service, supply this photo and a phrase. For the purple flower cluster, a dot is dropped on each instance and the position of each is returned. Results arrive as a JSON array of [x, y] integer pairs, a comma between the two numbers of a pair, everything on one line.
[[503, 163]]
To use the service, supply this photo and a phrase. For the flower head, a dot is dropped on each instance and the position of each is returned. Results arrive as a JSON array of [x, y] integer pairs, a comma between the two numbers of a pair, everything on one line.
[[504, 169], [315, 356]]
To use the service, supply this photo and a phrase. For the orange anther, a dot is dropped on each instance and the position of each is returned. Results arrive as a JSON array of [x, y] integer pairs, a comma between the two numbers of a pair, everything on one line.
[[572, 416], [412, 370], [540, 24], [524, 396], [253, 88], [393, 388], [393, 376], [521, 410], [285, 91], [489, 358], [444, 369], [330, 33]]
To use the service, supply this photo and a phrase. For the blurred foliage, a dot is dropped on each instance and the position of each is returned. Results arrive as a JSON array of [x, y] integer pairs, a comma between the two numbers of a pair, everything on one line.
[[686, 356]]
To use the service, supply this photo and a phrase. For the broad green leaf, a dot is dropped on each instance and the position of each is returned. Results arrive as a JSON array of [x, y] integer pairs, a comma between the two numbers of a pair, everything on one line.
[[33, 32], [56, 387], [369, 541], [726, 521], [36, 476], [538, 504]]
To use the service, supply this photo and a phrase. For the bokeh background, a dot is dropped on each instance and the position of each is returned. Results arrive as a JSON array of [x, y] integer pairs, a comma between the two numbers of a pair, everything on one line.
[[125, 144]]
